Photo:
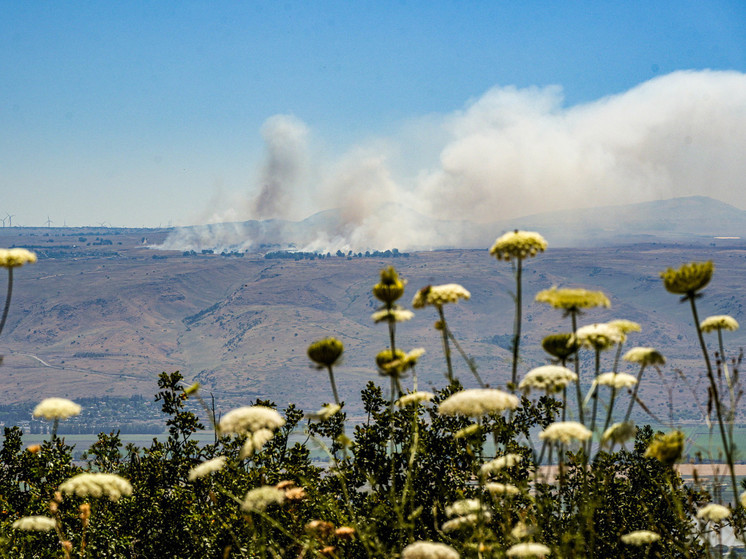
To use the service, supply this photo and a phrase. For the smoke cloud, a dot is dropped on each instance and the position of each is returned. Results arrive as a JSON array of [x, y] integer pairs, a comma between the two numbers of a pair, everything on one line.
[[510, 153]]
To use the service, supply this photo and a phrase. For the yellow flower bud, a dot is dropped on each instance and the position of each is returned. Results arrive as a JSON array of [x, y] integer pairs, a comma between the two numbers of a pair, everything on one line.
[[325, 352]]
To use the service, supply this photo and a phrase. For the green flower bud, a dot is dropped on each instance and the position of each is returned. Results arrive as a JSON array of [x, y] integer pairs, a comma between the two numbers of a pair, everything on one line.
[[561, 345], [390, 288], [325, 352]]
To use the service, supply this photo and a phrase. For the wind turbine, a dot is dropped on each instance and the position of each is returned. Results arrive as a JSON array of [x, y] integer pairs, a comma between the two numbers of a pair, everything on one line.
[[3, 220], [10, 219], [48, 221]]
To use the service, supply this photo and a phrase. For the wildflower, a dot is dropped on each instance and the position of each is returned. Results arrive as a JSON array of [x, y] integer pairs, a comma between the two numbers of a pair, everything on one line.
[[521, 530], [392, 315], [15, 257], [572, 299], [390, 288], [640, 538], [477, 402], [616, 380], [528, 549], [85, 513], [97, 485], [345, 532], [400, 362], [560, 346], [518, 244], [599, 336], [506, 461], [439, 295], [325, 352], [463, 507], [713, 513], [666, 448], [206, 468], [466, 520], [429, 550], [719, 322], [502, 489], [467, 431], [414, 398], [320, 528], [326, 412], [552, 378], [619, 433], [565, 431], [34, 524], [258, 499], [191, 389], [249, 419], [688, 279], [295, 493], [56, 408], [255, 441], [34, 448], [645, 356]]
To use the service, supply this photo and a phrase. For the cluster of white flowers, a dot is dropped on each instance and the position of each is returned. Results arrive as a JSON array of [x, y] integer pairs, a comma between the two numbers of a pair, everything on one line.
[[616, 380], [439, 295], [255, 441], [640, 538], [625, 326], [719, 322], [429, 550], [14, 257], [506, 461], [713, 513], [326, 412], [206, 468], [518, 244], [414, 398], [465, 512], [528, 549], [250, 419], [644, 356], [392, 315], [477, 402], [97, 485], [34, 524], [56, 408], [258, 499], [551, 378], [502, 489], [619, 433], [565, 431], [599, 336]]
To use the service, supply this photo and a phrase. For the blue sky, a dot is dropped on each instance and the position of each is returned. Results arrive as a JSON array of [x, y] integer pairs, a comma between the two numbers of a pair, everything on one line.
[[149, 113]]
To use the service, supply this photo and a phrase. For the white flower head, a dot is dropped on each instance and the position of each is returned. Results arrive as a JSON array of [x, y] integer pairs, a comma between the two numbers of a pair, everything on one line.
[[502, 489], [255, 441], [565, 432], [644, 356], [249, 419], [518, 244], [528, 549], [616, 380], [506, 461], [463, 507], [439, 295], [34, 524], [429, 550], [640, 537], [97, 485], [619, 433], [598, 336], [326, 412], [206, 468], [14, 257], [258, 499], [414, 398], [56, 408], [719, 322], [477, 402], [392, 315], [713, 513], [466, 520], [551, 378]]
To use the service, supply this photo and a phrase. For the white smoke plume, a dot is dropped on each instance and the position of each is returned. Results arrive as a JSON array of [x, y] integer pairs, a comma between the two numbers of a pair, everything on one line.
[[512, 152]]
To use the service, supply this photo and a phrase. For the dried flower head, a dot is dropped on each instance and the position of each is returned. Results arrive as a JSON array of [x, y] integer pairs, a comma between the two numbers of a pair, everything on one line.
[[560, 346], [320, 529], [599, 337], [688, 279], [206, 468], [345, 532], [439, 295], [429, 550], [15, 257], [97, 485], [326, 352], [616, 380], [34, 448], [502, 489], [666, 448], [713, 513], [34, 524], [477, 402], [619, 433], [414, 398], [565, 431], [550, 378], [719, 322], [390, 288], [518, 244], [56, 408], [572, 299], [506, 461], [249, 419], [640, 538], [528, 549], [645, 356], [395, 314], [258, 499], [326, 412]]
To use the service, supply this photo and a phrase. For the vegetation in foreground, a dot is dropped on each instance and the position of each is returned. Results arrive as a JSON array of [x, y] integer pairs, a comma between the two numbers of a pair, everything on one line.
[[452, 473]]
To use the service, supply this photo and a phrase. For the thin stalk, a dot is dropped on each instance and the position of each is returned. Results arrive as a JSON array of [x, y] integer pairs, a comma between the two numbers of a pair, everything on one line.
[[7, 300], [517, 323], [611, 407], [466, 358], [446, 346], [574, 317], [595, 395], [729, 382], [334, 385], [634, 394]]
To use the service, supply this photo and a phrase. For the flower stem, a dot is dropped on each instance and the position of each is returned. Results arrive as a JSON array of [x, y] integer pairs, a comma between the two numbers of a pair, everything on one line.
[[634, 394], [7, 300], [579, 395], [517, 322], [334, 386], [446, 346]]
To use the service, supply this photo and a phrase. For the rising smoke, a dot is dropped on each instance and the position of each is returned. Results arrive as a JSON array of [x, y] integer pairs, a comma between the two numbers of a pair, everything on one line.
[[512, 152]]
